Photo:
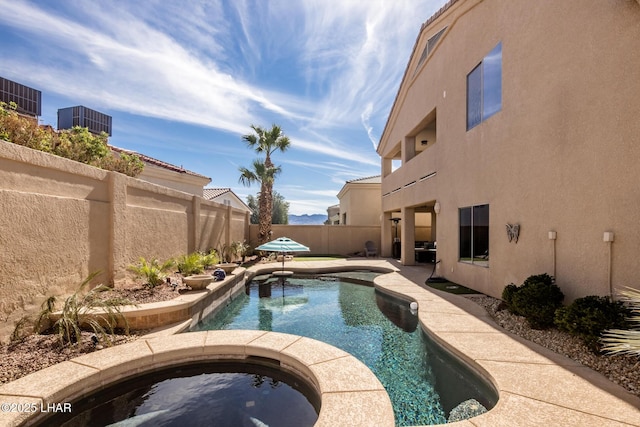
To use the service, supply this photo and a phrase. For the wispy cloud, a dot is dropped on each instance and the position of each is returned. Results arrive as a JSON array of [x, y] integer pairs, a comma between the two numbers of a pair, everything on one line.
[[136, 68], [326, 70]]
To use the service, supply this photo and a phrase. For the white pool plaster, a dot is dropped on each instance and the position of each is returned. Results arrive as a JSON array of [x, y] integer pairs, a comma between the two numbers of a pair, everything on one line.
[[536, 387]]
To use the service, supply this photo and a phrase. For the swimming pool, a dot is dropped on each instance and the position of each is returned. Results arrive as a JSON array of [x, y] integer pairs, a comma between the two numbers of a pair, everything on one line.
[[423, 381]]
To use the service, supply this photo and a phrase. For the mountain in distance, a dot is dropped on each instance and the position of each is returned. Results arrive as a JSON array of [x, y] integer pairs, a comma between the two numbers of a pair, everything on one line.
[[306, 219]]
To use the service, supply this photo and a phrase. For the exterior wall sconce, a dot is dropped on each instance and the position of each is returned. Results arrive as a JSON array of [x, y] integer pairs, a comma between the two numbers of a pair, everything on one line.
[[436, 208], [608, 236], [553, 235], [424, 142]]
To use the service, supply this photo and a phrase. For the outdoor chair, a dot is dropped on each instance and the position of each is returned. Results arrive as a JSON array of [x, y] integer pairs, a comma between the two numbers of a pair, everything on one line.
[[370, 249]]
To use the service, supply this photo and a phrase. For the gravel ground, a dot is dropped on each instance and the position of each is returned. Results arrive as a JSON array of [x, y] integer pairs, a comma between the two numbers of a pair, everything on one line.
[[39, 351]]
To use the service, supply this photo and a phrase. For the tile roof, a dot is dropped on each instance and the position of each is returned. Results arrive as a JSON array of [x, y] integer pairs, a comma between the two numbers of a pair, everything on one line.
[[156, 162], [212, 193], [442, 10], [377, 179]]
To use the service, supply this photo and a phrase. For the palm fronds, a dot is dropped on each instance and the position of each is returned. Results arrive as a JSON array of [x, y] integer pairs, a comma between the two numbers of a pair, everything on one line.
[[86, 310], [153, 271], [625, 341]]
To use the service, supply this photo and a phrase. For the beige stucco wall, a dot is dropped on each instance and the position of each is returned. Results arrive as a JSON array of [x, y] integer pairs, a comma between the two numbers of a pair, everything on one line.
[[61, 220], [562, 154], [182, 181], [324, 239], [361, 204]]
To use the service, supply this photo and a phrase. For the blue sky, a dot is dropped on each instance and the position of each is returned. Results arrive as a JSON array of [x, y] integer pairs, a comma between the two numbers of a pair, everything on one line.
[[184, 80]]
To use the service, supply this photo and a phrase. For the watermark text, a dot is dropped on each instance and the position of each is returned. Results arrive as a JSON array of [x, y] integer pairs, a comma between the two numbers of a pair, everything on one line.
[[35, 407]]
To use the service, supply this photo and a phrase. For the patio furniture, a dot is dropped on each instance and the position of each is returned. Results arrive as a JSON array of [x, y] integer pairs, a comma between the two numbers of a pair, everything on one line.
[[370, 249]]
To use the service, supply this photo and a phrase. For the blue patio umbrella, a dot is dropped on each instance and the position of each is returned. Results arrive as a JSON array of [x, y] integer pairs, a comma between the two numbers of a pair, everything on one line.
[[283, 245]]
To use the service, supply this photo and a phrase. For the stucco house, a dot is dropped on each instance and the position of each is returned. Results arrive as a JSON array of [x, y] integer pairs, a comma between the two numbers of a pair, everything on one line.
[[333, 215], [360, 201], [225, 196], [168, 175], [515, 128]]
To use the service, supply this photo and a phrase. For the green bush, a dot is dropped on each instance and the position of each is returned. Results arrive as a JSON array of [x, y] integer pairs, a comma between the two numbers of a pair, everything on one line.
[[190, 264], [84, 310], [209, 259], [76, 144], [507, 295], [589, 316], [537, 300], [152, 271]]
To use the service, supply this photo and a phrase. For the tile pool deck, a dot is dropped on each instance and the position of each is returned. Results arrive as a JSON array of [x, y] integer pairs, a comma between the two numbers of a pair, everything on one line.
[[536, 386]]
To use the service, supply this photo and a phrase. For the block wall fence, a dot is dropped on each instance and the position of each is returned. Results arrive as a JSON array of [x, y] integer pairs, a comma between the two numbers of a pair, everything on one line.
[[61, 220]]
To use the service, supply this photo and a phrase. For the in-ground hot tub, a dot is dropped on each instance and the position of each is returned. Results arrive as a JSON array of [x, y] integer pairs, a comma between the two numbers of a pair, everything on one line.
[[253, 392], [347, 390]]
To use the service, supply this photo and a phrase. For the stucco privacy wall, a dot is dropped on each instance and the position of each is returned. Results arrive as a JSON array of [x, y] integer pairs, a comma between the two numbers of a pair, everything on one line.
[[61, 220], [324, 239]]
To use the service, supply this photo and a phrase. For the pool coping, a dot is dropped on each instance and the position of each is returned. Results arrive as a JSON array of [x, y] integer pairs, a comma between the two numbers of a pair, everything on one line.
[[535, 385]]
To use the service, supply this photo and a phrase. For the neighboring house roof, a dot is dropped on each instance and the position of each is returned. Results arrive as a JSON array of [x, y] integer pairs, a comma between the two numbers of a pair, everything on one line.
[[159, 163], [370, 180], [212, 193], [377, 179], [219, 194]]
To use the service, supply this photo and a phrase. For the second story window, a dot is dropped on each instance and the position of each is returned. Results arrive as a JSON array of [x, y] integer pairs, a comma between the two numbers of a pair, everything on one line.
[[484, 88]]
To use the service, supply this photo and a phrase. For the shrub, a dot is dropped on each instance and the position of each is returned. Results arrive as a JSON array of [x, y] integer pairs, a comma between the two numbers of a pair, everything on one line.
[[76, 144], [537, 300], [190, 264], [209, 259], [589, 316], [80, 310], [625, 341], [152, 270], [81, 145], [128, 164], [20, 330], [507, 295]]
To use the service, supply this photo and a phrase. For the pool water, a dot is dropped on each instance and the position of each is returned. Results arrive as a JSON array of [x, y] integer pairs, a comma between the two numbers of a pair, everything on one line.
[[378, 329], [224, 394]]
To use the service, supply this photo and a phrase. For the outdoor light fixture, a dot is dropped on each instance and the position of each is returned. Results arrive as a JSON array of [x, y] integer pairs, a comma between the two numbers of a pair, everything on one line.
[[424, 142], [436, 208]]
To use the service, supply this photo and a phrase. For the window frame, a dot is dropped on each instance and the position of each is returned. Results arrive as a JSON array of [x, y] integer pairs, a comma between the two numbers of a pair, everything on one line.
[[473, 235], [486, 77]]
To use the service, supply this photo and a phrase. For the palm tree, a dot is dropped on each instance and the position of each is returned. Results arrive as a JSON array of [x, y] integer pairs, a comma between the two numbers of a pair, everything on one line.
[[264, 141], [265, 176]]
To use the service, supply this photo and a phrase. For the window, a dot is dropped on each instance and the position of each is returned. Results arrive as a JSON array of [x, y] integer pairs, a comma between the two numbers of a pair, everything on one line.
[[474, 235], [484, 88], [429, 47]]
